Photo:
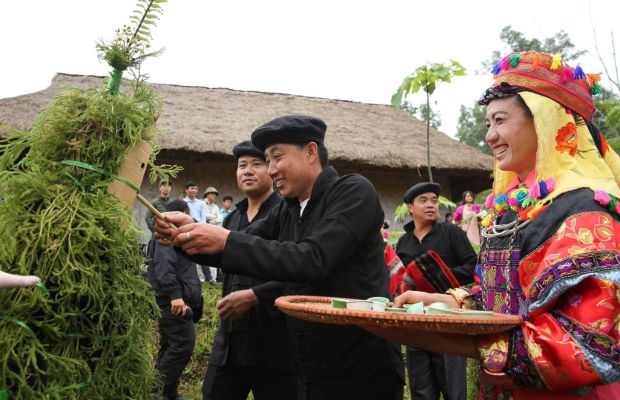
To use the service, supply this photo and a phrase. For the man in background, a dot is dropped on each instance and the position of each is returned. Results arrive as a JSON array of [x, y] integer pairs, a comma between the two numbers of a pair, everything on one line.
[[452, 264], [197, 207], [177, 292], [213, 217], [159, 203], [227, 203]]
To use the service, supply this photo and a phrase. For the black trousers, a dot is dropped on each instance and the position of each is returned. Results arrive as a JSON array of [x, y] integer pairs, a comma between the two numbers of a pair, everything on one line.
[[235, 383], [368, 385], [176, 344], [433, 373]]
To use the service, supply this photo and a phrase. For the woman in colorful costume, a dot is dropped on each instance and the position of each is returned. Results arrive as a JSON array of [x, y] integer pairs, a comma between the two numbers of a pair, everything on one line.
[[466, 215], [551, 249]]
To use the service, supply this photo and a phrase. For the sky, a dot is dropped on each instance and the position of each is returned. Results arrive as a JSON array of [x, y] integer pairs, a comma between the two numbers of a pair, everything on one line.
[[339, 49]]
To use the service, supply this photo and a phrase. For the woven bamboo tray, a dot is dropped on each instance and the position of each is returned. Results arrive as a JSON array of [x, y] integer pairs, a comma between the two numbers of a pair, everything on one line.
[[319, 309]]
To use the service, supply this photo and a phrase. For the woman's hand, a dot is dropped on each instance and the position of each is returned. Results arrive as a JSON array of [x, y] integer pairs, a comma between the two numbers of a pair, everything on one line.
[[412, 296]]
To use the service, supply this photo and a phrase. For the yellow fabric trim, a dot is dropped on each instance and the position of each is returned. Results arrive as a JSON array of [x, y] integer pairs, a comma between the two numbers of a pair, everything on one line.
[[585, 169]]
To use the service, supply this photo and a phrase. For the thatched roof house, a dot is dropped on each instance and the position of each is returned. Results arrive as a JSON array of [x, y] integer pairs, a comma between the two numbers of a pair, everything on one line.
[[202, 124]]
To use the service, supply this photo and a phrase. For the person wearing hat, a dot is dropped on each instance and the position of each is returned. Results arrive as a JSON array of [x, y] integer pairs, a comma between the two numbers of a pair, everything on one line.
[[250, 351], [212, 210], [434, 373], [159, 203], [324, 239], [551, 248]]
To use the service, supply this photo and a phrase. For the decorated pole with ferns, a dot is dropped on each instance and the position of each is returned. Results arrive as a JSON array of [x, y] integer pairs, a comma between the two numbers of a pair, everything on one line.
[[84, 332], [426, 78]]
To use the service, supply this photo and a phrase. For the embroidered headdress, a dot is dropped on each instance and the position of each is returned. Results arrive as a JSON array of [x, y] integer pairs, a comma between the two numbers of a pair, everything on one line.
[[571, 152]]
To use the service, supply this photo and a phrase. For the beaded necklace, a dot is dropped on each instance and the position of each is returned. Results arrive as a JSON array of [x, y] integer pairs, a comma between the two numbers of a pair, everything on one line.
[[526, 202]]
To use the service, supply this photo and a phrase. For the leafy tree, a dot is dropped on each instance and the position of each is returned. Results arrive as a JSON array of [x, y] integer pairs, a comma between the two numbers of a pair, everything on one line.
[[426, 78], [422, 112], [607, 117], [472, 128], [516, 41]]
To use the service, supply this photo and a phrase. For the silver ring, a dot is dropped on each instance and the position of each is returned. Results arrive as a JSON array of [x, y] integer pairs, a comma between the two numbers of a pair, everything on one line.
[[187, 234]]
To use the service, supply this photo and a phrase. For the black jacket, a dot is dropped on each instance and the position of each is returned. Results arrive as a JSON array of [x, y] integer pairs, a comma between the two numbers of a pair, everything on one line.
[[449, 241], [259, 337], [171, 275], [334, 249]]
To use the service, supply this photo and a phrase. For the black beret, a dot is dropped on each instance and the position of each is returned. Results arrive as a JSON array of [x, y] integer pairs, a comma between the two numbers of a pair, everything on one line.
[[245, 148], [421, 188], [289, 129]]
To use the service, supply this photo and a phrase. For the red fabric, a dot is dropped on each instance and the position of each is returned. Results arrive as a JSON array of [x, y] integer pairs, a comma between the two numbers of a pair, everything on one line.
[[593, 303]]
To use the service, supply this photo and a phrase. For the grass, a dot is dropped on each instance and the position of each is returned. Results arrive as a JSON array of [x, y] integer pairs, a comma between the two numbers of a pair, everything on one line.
[[191, 381]]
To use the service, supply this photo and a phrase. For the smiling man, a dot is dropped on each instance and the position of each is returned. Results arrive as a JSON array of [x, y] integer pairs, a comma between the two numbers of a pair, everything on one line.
[[325, 240]]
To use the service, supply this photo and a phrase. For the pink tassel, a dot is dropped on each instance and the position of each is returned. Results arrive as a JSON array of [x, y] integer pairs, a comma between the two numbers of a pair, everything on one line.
[[488, 203], [550, 185], [535, 191], [504, 63], [567, 74], [617, 209], [602, 197]]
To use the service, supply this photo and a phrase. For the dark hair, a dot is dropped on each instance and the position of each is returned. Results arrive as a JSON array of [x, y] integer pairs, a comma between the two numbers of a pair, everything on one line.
[[165, 182], [465, 193], [448, 215], [190, 183], [386, 225], [323, 153], [177, 205], [227, 197]]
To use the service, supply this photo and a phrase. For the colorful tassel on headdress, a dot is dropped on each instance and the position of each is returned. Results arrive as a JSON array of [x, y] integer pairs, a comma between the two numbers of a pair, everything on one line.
[[535, 191], [504, 63], [578, 73], [514, 60], [488, 203], [535, 60], [567, 74], [594, 77], [497, 68], [557, 61], [596, 88]]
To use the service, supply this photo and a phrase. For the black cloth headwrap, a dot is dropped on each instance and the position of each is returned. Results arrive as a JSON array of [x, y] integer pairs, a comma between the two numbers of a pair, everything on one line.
[[499, 91]]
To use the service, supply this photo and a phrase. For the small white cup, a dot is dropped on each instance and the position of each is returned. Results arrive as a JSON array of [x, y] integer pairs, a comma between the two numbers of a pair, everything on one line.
[[378, 306]]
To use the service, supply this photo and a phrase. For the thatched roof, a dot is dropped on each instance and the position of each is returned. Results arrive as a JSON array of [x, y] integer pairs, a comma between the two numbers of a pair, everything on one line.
[[208, 120]]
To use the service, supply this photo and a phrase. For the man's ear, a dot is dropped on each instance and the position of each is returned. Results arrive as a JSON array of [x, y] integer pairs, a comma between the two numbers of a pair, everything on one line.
[[312, 151]]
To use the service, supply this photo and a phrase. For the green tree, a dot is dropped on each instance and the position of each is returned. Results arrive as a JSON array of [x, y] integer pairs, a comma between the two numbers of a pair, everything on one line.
[[422, 112], [607, 117], [426, 78], [516, 41], [472, 128]]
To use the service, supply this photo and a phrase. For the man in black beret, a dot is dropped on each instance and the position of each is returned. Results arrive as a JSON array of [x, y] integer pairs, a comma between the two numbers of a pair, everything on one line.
[[250, 351], [324, 240], [437, 257]]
